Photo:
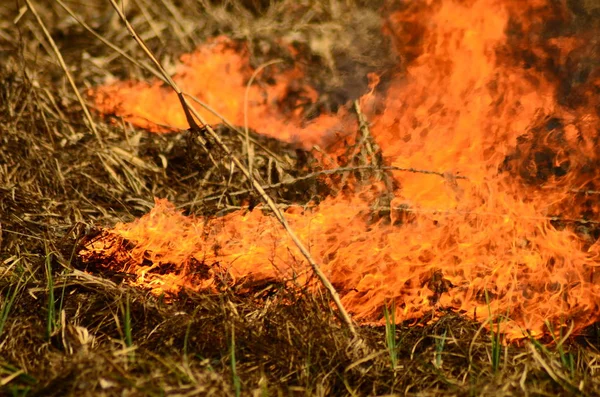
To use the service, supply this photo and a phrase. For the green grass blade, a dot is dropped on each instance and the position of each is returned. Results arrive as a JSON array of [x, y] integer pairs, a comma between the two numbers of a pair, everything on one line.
[[494, 336], [51, 305], [390, 333], [11, 296], [236, 380], [127, 323], [439, 348]]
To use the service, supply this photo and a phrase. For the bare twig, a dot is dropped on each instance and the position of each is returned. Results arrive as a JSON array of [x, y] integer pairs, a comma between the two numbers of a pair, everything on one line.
[[373, 150], [63, 65], [332, 171], [435, 211], [489, 214], [586, 192], [189, 110], [365, 139]]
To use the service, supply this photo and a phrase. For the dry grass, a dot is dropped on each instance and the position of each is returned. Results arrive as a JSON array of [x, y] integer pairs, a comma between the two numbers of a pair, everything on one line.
[[68, 332]]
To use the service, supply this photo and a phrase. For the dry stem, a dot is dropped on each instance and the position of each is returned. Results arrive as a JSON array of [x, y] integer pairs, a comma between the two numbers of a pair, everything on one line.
[[63, 65]]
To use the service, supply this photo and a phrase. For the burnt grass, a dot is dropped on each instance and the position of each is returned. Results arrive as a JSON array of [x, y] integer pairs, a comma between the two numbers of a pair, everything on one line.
[[67, 330]]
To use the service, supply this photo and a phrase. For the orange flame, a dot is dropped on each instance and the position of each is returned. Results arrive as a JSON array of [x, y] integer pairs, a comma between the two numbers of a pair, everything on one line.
[[480, 245], [216, 74]]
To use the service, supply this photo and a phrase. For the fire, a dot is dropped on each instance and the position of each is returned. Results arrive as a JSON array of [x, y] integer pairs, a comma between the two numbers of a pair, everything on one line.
[[217, 74], [486, 246]]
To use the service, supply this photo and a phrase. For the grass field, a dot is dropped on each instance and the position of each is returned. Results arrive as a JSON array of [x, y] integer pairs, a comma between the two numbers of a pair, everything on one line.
[[67, 170]]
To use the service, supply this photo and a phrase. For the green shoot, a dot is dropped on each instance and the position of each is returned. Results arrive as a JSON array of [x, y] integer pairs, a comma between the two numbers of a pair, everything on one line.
[[126, 334], [64, 286], [7, 304], [494, 336], [51, 306], [439, 348], [236, 380], [127, 323], [390, 333], [186, 337], [307, 367], [566, 358]]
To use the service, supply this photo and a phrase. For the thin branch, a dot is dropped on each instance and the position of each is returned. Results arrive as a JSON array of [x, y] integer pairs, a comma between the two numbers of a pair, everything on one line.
[[586, 192], [373, 149], [434, 211], [332, 171], [365, 139]]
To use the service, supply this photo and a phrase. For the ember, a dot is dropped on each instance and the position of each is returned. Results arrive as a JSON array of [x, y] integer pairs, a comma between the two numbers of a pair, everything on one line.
[[467, 105]]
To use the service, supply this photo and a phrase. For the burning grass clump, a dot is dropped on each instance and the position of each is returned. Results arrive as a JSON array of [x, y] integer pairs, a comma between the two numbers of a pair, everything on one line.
[[68, 331]]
